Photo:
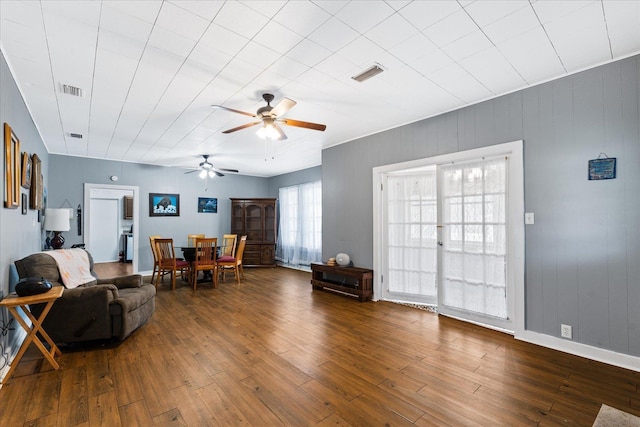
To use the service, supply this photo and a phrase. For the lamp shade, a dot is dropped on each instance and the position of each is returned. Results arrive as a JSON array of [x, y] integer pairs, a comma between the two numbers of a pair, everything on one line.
[[56, 220]]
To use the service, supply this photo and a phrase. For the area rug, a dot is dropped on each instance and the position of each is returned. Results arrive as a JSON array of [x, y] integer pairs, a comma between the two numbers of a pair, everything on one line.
[[610, 417]]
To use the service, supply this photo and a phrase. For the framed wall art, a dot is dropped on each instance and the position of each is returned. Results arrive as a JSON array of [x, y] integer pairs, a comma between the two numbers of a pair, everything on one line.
[[12, 168], [162, 204], [207, 205], [37, 184], [602, 168], [26, 171]]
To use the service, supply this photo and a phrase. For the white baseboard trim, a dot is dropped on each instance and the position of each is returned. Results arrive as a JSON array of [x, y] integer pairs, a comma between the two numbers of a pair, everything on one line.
[[594, 353]]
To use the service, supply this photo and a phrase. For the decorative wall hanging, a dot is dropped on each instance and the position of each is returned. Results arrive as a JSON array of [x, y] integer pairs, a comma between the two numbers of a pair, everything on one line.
[[164, 204], [79, 214], [207, 205], [602, 168], [26, 171], [12, 168], [37, 184]]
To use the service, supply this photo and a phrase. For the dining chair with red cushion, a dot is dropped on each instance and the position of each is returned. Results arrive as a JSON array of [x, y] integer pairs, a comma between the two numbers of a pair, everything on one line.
[[233, 262], [168, 263]]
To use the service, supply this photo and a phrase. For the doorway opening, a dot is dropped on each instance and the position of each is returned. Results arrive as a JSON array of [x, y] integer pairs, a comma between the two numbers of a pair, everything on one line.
[[449, 233], [111, 235]]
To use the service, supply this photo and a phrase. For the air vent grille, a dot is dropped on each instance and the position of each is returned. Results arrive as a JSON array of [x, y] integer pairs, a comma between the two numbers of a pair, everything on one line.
[[368, 73], [71, 90], [75, 135]]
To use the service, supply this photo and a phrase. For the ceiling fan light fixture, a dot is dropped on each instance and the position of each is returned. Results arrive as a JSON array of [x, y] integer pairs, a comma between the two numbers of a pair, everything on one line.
[[268, 131], [212, 174], [203, 174]]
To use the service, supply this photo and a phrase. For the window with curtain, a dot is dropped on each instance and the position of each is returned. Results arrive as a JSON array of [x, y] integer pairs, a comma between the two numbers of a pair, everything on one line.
[[300, 227]]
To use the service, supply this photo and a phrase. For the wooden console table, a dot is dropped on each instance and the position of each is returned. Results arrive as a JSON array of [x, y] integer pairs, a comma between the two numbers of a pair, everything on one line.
[[351, 281], [12, 302]]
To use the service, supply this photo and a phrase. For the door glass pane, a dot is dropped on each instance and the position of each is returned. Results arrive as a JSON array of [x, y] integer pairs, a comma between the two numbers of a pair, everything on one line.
[[411, 234], [474, 237]]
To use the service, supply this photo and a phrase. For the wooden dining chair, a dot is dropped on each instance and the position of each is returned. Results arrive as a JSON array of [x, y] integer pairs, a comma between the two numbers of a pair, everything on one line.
[[152, 243], [168, 263], [233, 262], [205, 260], [228, 247], [191, 239]]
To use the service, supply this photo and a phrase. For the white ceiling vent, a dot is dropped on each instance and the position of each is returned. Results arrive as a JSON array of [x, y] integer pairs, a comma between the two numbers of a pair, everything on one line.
[[71, 90], [368, 73], [75, 135]]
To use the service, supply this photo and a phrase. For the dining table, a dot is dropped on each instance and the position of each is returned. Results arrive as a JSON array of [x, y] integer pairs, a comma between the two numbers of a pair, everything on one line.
[[189, 254]]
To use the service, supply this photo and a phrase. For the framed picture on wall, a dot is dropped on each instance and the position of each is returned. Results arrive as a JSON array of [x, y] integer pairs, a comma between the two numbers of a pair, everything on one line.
[[162, 204], [207, 205], [12, 168], [26, 170]]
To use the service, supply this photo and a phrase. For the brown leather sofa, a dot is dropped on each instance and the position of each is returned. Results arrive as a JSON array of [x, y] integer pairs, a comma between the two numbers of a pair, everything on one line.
[[101, 309]]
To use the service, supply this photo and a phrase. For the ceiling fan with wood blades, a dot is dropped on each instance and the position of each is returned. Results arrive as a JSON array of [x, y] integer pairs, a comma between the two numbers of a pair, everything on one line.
[[270, 118], [206, 168]]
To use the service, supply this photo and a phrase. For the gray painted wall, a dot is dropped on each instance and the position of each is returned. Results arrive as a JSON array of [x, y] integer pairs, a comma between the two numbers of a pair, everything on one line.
[[67, 176], [294, 178], [20, 233], [583, 253]]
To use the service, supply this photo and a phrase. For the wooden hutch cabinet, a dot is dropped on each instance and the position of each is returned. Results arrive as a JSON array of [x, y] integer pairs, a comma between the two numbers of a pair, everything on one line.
[[257, 219]]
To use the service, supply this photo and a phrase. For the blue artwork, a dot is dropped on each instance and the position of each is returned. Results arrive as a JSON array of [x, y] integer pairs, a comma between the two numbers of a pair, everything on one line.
[[207, 204], [602, 168], [164, 204]]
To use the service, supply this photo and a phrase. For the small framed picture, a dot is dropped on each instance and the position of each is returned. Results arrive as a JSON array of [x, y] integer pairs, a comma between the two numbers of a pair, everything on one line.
[[602, 169], [164, 204], [207, 205], [26, 171], [24, 203]]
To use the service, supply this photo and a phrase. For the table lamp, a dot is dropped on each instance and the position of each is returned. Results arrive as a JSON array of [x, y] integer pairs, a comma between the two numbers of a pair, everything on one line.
[[57, 220]]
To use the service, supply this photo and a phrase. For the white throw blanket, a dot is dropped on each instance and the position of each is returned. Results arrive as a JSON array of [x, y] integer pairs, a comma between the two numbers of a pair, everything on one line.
[[73, 265]]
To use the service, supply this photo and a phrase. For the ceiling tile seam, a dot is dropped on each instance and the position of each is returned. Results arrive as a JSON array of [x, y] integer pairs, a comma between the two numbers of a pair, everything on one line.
[[497, 48], [207, 85], [55, 91], [548, 38], [186, 58], [177, 4], [93, 80], [135, 73], [328, 11], [606, 26]]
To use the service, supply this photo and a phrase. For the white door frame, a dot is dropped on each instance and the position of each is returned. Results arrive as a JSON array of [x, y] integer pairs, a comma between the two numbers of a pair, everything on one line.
[[87, 214], [516, 242]]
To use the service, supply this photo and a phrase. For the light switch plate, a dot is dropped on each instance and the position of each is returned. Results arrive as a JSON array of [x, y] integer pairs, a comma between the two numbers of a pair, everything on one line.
[[529, 218]]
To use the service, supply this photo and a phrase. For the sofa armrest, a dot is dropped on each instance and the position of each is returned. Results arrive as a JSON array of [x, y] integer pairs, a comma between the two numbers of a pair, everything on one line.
[[122, 282]]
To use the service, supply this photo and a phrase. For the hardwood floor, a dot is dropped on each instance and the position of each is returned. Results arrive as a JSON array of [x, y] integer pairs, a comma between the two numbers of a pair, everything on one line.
[[272, 352]]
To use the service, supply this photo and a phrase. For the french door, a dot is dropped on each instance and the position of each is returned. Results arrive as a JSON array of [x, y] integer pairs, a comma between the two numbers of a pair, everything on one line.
[[444, 237], [473, 241]]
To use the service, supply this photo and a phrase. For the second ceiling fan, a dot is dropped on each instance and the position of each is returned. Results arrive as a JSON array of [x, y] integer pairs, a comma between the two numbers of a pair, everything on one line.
[[270, 117], [206, 168]]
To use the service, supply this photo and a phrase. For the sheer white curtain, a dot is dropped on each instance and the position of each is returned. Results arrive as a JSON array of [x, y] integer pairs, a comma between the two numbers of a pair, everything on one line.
[[300, 227], [475, 237], [412, 238]]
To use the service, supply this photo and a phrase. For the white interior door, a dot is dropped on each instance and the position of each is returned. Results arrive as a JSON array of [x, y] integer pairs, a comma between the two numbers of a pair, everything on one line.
[[104, 230]]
